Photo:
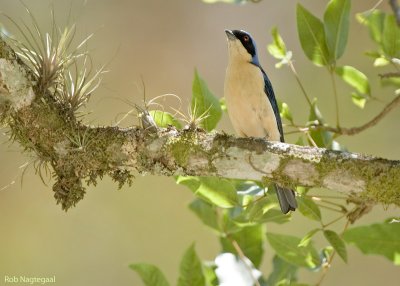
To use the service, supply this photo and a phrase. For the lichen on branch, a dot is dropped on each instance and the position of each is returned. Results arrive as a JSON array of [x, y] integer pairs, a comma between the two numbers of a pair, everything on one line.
[[78, 154]]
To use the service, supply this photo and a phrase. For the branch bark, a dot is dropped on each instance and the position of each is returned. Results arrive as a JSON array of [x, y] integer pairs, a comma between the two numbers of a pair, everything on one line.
[[78, 153]]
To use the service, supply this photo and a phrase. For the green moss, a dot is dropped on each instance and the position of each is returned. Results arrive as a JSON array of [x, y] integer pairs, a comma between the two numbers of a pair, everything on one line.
[[182, 147], [323, 168], [383, 185], [382, 180], [83, 154], [122, 177], [279, 175], [68, 190]]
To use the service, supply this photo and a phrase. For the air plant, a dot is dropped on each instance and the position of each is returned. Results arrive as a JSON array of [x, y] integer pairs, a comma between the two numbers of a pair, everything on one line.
[[146, 120], [41, 166], [81, 142], [48, 55], [77, 86], [192, 119], [145, 115]]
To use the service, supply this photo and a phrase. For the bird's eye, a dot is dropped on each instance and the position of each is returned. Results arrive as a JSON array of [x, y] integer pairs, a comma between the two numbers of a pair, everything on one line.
[[246, 38]]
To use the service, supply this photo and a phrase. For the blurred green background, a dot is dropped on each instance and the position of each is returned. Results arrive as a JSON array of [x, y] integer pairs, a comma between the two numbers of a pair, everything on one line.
[[162, 42]]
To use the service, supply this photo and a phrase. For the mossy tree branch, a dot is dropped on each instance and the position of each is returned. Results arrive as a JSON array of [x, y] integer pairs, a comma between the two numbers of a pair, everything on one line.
[[77, 153]]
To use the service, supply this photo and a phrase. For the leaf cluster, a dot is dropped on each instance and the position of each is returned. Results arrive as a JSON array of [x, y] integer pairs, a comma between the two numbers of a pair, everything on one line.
[[238, 212]]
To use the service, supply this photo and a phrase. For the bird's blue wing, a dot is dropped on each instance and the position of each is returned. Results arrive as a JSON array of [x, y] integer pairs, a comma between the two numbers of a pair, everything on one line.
[[272, 100], [286, 197]]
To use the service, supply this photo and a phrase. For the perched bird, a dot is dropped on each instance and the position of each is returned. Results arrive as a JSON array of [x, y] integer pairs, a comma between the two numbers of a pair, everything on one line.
[[251, 102]]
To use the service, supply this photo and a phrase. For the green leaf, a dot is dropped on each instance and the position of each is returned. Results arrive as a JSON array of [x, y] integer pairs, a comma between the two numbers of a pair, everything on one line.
[[312, 36], [354, 78], [283, 273], [381, 62], [322, 138], [285, 111], [302, 190], [256, 209], [204, 104], [392, 82], [193, 183], [286, 247], [250, 239], [150, 274], [382, 239], [307, 238], [191, 272], [222, 103], [206, 212], [374, 20], [373, 54], [391, 37], [308, 208], [261, 211], [275, 216], [326, 253], [336, 24], [315, 114], [163, 119], [277, 48], [217, 191], [228, 225], [358, 100], [259, 206], [210, 275], [337, 243]]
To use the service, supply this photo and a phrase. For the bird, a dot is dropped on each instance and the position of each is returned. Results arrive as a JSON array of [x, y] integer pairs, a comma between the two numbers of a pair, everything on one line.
[[251, 102]]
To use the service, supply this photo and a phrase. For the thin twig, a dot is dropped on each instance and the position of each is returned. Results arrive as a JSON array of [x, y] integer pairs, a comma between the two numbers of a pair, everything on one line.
[[359, 129], [330, 197], [330, 203], [389, 75], [254, 167], [243, 258], [331, 258], [256, 200], [353, 130], [311, 139], [290, 63], [335, 94], [330, 208], [333, 221], [294, 132]]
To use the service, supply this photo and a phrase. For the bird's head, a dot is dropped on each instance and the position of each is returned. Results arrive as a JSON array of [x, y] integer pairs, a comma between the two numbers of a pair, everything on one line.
[[241, 46]]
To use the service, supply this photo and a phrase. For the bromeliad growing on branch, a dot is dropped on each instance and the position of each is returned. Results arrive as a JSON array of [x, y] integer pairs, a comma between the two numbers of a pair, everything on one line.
[[45, 125]]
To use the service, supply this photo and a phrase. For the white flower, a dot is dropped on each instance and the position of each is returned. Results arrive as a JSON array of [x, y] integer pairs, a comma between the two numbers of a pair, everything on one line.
[[233, 271]]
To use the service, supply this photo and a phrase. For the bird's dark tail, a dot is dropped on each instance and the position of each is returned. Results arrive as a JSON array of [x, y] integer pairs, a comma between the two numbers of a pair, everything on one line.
[[286, 198]]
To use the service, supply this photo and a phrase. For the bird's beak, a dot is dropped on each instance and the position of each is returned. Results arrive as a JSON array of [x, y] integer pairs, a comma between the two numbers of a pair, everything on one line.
[[230, 35]]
